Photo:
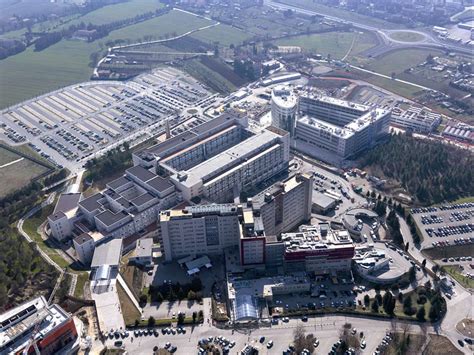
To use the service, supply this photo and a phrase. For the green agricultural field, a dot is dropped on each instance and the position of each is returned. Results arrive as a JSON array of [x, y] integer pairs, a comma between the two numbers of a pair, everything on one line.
[[18, 174], [31, 73], [6, 156], [223, 34], [400, 60], [337, 44], [119, 11], [173, 22]]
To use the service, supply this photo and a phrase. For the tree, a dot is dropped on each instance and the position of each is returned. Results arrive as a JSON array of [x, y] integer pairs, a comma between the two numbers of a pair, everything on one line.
[[191, 295], [143, 299], [194, 317], [201, 315], [196, 284], [393, 75], [366, 300], [151, 322], [430, 59], [301, 340], [407, 245], [407, 306], [181, 318], [375, 306], [412, 274], [420, 315]]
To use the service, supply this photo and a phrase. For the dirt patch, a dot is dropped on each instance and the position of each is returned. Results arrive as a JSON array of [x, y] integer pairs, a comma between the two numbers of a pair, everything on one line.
[[466, 327], [440, 345]]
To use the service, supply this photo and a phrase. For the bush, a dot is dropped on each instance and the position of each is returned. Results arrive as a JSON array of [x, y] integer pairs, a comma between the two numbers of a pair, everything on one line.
[[420, 315]]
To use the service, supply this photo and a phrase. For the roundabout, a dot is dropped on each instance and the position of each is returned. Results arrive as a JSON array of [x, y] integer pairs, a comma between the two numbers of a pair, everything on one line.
[[406, 36]]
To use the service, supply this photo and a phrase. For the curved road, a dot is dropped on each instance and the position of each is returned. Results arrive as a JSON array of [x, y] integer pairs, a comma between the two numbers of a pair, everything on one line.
[[429, 40]]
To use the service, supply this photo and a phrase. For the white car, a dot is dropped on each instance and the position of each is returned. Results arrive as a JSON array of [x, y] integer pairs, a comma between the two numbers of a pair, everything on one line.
[[269, 344], [363, 344]]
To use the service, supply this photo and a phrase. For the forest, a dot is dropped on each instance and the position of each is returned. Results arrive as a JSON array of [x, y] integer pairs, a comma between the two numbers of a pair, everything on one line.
[[432, 172], [23, 273]]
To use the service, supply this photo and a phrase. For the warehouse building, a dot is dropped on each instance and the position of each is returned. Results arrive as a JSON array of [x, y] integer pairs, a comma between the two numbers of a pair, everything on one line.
[[219, 158], [334, 130]]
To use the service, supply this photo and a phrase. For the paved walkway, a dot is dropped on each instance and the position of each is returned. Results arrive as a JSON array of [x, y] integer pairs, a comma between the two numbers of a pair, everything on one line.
[[108, 308]]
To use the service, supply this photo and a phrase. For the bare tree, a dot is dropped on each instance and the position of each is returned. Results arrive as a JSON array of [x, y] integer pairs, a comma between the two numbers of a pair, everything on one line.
[[301, 340]]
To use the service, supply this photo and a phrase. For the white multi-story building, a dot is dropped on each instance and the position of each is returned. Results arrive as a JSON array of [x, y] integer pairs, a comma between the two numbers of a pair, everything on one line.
[[417, 119], [285, 205], [284, 105], [64, 215], [84, 245], [219, 158], [330, 127], [199, 230]]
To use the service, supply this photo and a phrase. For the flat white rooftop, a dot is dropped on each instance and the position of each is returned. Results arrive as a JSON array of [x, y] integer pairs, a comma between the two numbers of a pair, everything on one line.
[[227, 159]]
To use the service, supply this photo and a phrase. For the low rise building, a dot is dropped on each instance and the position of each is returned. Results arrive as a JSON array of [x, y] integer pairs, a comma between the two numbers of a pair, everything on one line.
[[106, 260], [416, 119], [128, 204], [143, 253], [35, 326], [318, 249]]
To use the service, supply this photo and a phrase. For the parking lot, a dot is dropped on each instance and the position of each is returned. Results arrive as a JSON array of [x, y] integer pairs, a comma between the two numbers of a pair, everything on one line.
[[325, 329], [70, 125], [445, 225]]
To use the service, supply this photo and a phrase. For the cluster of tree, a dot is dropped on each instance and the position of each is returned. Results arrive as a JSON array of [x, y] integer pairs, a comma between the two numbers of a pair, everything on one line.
[[423, 294], [431, 171], [47, 40], [11, 47], [301, 340], [55, 177], [99, 31], [114, 161], [413, 230], [173, 292], [22, 270], [388, 302], [393, 225], [245, 69], [348, 340]]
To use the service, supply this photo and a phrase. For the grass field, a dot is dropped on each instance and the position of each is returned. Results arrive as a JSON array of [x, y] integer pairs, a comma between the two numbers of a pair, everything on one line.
[[129, 311], [31, 225], [406, 36], [17, 175], [100, 16], [174, 21], [455, 272], [440, 345], [119, 11], [400, 60], [341, 13], [31, 73], [223, 34], [336, 44]]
